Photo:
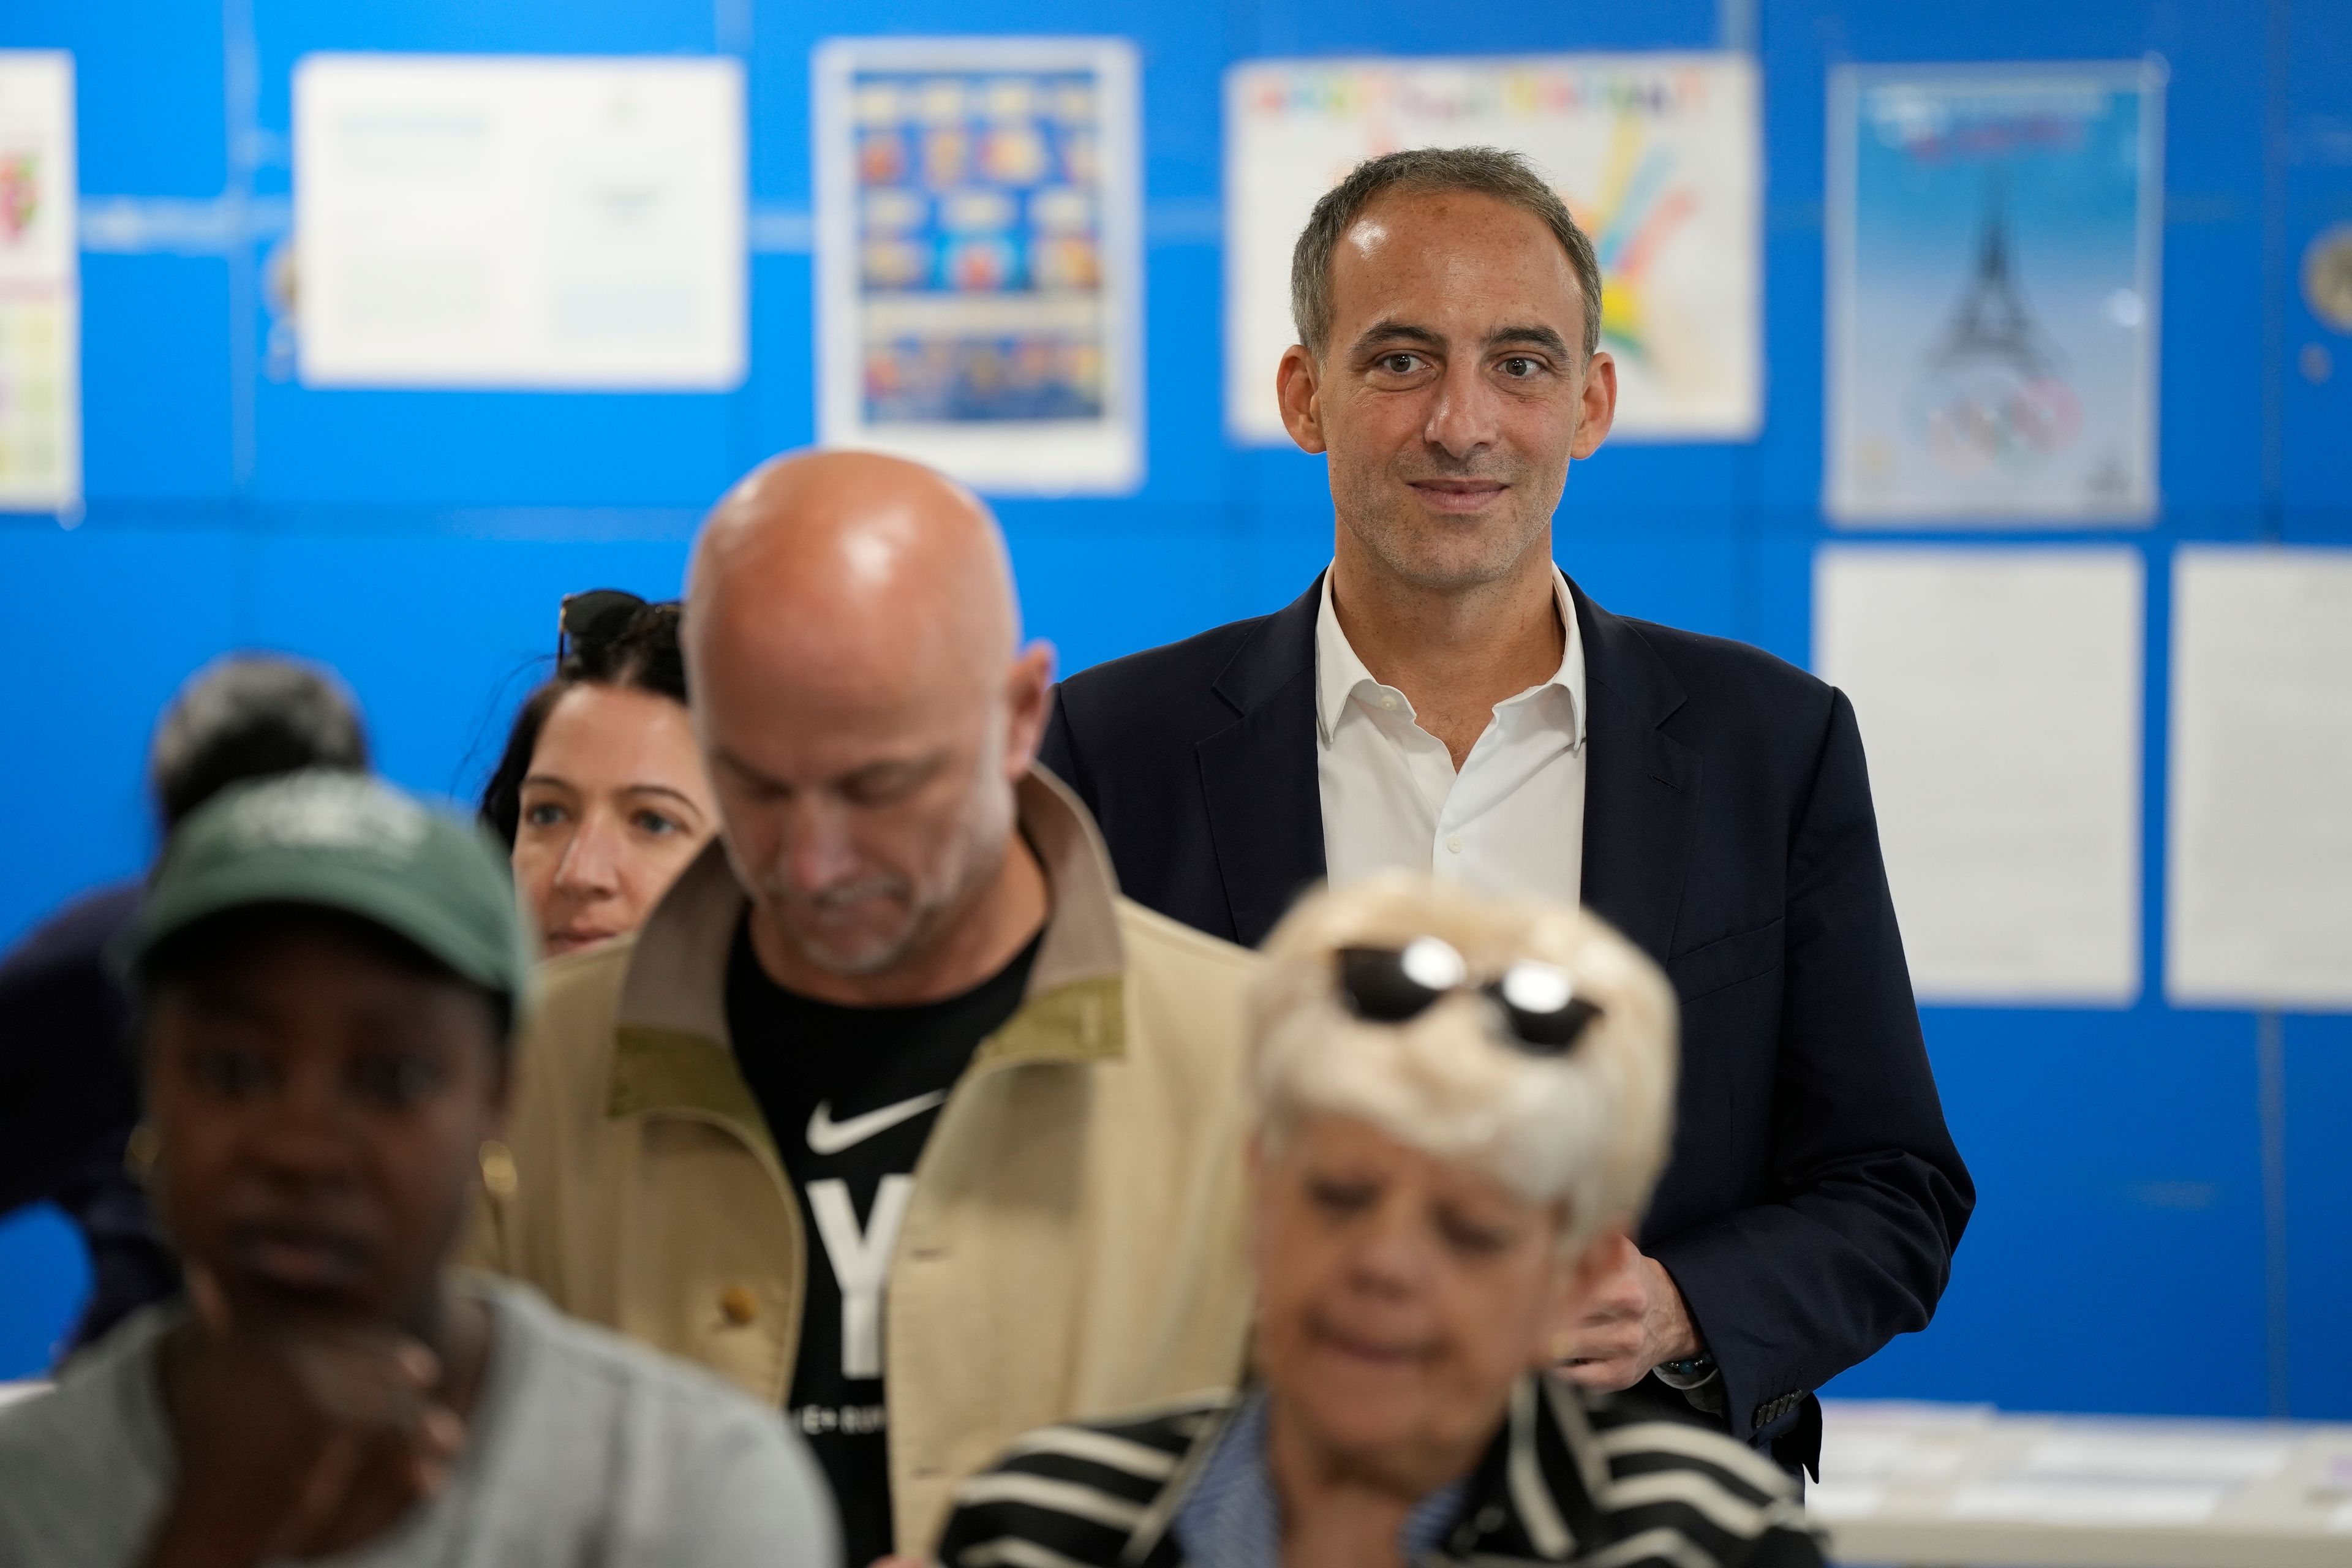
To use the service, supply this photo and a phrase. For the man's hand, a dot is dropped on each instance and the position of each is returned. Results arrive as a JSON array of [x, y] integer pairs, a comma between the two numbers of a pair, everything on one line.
[[1632, 1318]]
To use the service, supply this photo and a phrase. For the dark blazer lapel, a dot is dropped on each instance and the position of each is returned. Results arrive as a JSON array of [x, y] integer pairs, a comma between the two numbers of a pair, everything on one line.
[[1259, 777], [1641, 785]]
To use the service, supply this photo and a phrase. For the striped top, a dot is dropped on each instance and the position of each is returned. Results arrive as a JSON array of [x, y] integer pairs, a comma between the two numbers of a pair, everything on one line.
[[1569, 1479]]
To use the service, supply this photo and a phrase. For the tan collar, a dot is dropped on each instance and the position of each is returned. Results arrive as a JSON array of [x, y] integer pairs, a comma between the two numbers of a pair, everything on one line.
[[673, 1006]]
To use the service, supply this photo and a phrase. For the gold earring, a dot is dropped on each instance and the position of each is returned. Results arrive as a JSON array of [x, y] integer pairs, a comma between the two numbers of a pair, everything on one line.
[[498, 1169], [139, 1153]]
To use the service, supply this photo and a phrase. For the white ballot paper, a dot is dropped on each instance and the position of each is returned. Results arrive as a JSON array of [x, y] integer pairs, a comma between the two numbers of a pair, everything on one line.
[[40, 296], [2260, 827], [1999, 693], [511, 221]]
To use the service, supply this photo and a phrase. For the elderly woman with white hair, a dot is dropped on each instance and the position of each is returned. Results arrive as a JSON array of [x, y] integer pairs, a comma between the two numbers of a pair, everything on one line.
[[1463, 1102]]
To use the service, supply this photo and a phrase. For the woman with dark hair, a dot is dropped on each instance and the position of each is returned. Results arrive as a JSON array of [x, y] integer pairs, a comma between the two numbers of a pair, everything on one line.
[[601, 796]]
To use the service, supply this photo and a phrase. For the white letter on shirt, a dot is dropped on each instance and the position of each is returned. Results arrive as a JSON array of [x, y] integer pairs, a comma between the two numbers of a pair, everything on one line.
[[861, 1262]]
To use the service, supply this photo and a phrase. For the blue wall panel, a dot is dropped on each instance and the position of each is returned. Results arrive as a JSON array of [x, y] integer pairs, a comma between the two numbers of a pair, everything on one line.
[[2319, 1215], [2115, 1260], [420, 541], [105, 623]]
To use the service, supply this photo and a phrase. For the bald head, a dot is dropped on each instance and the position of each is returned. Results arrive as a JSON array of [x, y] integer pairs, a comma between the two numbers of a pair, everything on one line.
[[863, 702], [855, 556]]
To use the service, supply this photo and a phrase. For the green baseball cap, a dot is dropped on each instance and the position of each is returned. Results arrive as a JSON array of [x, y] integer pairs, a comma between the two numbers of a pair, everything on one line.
[[350, 842]]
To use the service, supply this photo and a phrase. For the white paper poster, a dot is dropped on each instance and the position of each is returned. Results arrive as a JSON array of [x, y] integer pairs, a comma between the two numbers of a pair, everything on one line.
[[40, 299], [1994, 239], [1654, 155], [511, 221], [2259, 835], [1999, 693], [978, 290]]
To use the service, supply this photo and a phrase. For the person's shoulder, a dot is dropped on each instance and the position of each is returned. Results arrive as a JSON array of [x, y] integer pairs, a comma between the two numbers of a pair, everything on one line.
[[1186, 995], [1143, 703], [572, 1014], [75, 937], [1734, 1504], [1193, 661], [90, 1438], [1154, 938], [1075, 1491], [589, 978], [1726, 669]]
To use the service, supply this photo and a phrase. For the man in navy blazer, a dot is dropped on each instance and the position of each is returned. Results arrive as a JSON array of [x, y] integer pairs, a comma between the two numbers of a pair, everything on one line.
[[1444, 698]]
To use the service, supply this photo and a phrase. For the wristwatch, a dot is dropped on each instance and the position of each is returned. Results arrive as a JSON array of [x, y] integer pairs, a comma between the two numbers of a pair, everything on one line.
[[1688, 1372]]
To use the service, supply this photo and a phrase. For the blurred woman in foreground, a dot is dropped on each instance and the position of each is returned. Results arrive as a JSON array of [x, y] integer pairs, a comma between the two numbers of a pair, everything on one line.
[[1462, 1103], [601, 794], [328, 979]]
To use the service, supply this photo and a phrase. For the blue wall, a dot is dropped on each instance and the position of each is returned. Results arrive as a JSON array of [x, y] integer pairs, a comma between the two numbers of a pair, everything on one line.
[[2120, 1258]]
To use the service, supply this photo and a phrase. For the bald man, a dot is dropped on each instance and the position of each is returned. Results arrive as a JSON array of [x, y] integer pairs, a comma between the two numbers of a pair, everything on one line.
[[894, 1111]]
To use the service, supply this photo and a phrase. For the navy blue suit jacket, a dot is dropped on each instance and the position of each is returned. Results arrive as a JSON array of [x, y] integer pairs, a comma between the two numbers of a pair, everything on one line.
[[1814, 1199]]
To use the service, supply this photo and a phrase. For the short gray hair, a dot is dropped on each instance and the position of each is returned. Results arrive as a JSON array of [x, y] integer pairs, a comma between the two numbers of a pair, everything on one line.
[[1588, 1129], [1485, 171]]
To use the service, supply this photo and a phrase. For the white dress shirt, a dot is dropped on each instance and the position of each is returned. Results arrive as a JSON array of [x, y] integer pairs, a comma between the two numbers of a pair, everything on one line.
[[1511, 821]]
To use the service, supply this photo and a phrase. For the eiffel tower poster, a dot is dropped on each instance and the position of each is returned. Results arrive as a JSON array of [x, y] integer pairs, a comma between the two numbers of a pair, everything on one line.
[[1993, 287]]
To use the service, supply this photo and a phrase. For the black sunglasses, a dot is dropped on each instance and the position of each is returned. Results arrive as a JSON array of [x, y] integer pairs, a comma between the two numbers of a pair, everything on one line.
[[595, 616], [1538, 1001]]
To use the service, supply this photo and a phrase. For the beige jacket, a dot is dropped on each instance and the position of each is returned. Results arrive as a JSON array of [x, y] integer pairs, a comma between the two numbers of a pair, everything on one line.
[[1074, 1242]]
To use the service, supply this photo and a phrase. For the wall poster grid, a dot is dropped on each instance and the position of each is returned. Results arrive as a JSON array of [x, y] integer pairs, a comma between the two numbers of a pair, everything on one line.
[[978, 259]]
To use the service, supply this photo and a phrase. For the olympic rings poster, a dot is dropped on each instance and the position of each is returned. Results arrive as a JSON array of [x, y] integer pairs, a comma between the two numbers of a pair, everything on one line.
[[1994, 235]]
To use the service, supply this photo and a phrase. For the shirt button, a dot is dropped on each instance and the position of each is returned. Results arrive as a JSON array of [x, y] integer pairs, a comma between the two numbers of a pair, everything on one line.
[[739, 1305], [1388, 703], [1454, 843]]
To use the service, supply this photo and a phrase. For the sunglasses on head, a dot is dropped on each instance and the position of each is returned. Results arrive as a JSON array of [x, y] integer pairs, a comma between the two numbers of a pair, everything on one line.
[[598, 614], [1538, 1001]]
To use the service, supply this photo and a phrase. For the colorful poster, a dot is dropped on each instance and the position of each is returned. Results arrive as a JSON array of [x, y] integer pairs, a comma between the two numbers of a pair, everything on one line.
[[1994, 234], [1654, 155], [40, 291], [519, 222], [979, 273]]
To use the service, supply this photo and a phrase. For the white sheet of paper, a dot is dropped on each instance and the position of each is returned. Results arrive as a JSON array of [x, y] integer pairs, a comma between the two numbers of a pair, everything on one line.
[[2260, 829], [1999, 693], [1656, 156], [520, 222], [2086, 1502], [40, 293]]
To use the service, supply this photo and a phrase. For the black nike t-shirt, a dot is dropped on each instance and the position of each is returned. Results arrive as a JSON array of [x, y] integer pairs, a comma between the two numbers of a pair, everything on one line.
[[850, 1095]]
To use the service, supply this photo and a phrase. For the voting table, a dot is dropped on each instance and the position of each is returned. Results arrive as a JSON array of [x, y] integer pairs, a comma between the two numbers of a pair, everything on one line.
[[1939, 1486]]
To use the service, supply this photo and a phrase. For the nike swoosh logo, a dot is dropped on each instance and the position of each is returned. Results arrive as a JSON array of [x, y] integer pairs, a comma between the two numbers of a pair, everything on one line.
[[826, 1136]]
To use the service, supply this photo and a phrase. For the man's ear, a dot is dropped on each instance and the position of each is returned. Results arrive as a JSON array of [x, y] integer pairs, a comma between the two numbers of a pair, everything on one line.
[[1028, 697], [1297, 383], [1598, 405]]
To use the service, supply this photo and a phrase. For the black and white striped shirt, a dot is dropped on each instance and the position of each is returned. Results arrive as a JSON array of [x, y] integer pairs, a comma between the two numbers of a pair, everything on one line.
[[1567, 1480]]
